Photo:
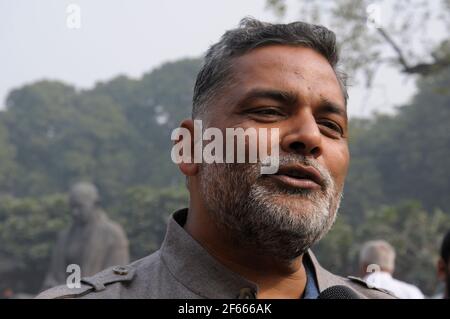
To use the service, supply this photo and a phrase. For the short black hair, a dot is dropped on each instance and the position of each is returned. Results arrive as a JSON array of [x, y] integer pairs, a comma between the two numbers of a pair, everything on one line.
[[252, 34], [445, 248]]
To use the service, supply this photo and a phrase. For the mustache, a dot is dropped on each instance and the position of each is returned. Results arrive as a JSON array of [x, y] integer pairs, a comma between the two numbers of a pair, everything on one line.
[[254, 169], [292, 159]]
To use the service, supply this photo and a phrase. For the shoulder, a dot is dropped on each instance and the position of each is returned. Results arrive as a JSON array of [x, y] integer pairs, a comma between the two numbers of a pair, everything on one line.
[[367, 290], [64, 292], [364, 290], [107, 284], [407, 290], [99, 283]]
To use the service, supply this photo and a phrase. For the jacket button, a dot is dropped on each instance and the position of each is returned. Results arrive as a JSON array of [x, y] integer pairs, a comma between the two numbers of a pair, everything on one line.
[[246, 293], [120, 270]]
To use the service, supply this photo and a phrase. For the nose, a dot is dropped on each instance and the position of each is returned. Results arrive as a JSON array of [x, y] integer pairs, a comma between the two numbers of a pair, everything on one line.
[[303, 136]]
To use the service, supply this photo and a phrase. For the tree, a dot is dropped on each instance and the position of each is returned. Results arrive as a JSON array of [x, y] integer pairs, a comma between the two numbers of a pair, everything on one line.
[[116, 135], [35, 119], [403, 156], [374, 33], [28, 229], [8, 166], [144, 212], [153, 106]]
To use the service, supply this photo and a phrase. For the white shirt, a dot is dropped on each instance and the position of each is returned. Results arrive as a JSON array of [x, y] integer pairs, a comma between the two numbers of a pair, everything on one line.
[[402, 290]]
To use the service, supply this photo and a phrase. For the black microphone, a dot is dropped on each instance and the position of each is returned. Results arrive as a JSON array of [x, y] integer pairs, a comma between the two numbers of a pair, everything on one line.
[[338, 292]]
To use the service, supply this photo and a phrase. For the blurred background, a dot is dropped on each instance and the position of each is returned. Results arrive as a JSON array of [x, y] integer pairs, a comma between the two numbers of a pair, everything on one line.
[[91, 90]]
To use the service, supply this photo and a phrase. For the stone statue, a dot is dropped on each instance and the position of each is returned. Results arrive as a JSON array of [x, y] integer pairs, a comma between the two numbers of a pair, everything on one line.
[[92, 241]]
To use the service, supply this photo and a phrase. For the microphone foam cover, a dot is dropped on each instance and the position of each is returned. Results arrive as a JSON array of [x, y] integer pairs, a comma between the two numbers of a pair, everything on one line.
[[338, 292]]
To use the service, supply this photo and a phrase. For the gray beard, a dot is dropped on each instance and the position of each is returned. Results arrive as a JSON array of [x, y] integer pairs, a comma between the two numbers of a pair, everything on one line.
[[261, 215]]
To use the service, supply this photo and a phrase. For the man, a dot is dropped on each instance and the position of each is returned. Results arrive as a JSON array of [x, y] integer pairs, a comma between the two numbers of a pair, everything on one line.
[[247, 235], [377, 262], [93, 241], [444, 265]]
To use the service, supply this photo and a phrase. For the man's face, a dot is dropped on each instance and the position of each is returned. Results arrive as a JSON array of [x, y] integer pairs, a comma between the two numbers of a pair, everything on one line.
[[295, 90]]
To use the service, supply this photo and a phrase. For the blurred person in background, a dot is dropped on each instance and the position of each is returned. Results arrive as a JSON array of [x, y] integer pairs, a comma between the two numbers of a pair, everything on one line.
[[377, 263], [444, 265]]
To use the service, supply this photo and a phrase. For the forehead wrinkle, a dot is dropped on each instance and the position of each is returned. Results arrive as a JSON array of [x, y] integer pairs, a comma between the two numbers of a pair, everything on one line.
[[316, 70], [263, 68]]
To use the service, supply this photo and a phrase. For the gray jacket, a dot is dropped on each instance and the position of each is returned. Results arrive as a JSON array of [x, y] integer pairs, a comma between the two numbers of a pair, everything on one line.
[[182, 269]]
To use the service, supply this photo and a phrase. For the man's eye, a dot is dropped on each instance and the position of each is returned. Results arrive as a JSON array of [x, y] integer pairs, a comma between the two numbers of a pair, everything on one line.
[[333, 126], [267, 111]]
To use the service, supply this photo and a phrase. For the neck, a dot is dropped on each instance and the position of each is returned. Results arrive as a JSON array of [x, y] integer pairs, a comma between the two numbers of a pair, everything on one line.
[[275, 278]]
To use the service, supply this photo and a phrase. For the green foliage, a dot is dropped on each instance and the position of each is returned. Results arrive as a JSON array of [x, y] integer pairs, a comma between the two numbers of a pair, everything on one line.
[[8, 166], [30, 220], [337, 248], [116, 135], [144, 212], [404, 156], [28, 229]]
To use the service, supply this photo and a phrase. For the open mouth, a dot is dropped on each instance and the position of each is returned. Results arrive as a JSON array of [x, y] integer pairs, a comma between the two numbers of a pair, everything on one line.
[[299, 176]]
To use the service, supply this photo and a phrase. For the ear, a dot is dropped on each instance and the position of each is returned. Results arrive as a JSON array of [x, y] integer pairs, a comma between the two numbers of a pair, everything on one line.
[[184, 147], [441, 270]]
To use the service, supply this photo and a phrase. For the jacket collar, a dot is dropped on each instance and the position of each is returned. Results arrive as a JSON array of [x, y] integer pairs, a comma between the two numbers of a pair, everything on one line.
[[195, 268], [325, 279], [201, 273]]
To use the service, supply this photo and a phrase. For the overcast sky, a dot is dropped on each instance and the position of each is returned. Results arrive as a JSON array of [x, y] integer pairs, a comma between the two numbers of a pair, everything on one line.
[[132, 37]]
